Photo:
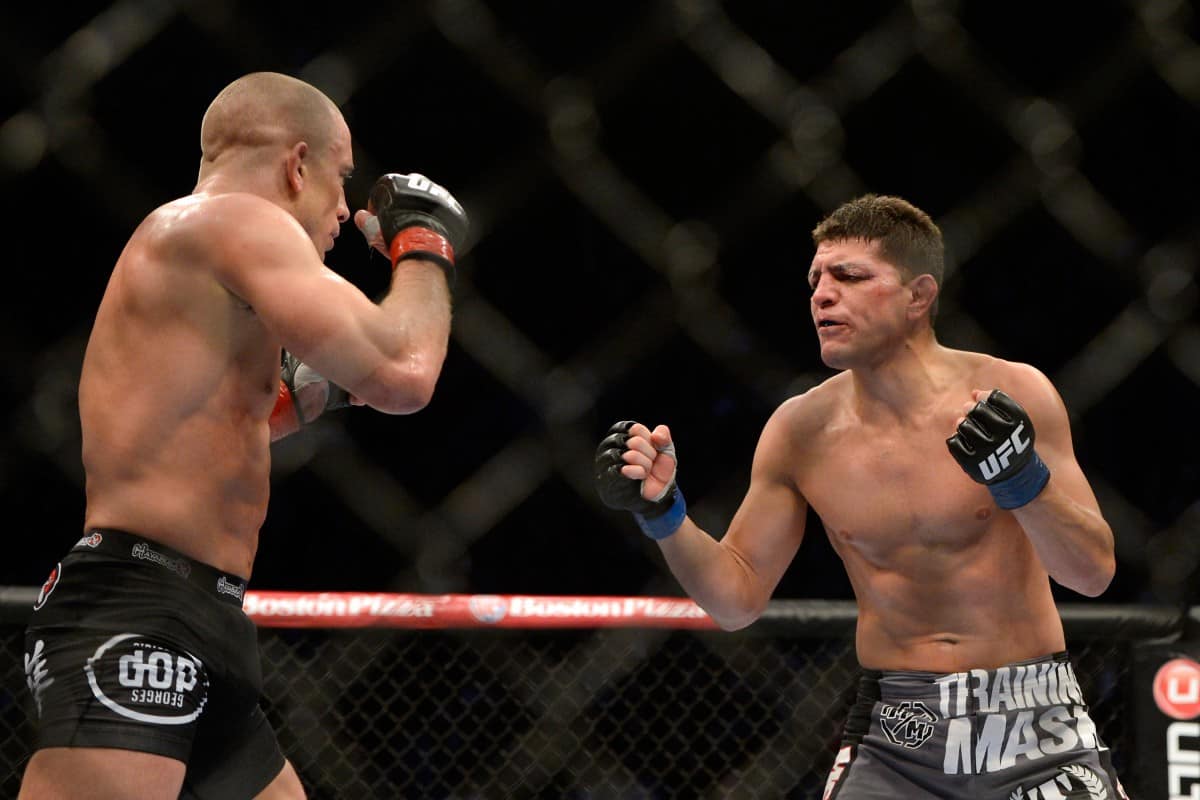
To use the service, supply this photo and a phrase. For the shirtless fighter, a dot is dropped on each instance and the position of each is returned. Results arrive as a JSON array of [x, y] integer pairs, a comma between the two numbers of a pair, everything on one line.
[[949, 543], [144, 671]]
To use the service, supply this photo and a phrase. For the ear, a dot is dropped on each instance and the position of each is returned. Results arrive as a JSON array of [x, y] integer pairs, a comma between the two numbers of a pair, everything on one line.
[[924, 290], [296, 171]]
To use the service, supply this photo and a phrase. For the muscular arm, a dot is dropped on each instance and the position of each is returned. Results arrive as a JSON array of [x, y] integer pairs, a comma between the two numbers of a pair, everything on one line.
[[733, 578], [1063, 522], [389, 355]]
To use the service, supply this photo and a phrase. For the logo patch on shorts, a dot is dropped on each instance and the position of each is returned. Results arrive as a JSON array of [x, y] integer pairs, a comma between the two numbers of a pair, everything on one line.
[[225, 586], [147, 682], [1072, 781], [844, 757], [908, 724], [92, 540], [180, 566], [48, 586], [37, 673]]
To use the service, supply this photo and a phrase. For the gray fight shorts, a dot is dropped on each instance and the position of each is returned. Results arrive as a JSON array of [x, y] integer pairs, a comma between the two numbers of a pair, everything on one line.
[[1018, 732]]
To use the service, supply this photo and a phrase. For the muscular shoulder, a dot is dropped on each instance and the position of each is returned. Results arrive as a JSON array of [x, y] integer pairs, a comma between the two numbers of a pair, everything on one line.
[[202, 224], [800, 421], [1025, 383], [228, 235], [812, 410]]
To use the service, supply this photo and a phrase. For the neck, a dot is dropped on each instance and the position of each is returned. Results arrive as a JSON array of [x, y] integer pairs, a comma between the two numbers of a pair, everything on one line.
[[905, 381], [242, 171], [226, 181]]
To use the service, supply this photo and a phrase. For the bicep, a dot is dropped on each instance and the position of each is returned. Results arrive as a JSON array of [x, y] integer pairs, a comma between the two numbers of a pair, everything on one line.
[[269, 263], [768, 527], [767, 530], [1054, 443]]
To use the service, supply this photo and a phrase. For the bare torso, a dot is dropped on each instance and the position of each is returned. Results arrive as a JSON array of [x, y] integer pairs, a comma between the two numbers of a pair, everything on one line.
[[944, 580], [177, 384]]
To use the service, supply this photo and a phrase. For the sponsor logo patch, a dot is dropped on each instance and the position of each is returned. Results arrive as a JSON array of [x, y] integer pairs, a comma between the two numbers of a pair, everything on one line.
[[1177, 688], [36, 672], [1073, 781], [844, 757], [230, 588], [488, 607], [180, 566], [48, 586], [144, 681], [908, 724]]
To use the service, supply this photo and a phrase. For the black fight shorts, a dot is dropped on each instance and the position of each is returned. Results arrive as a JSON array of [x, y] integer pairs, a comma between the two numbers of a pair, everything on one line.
[[1018, 731], [134, 646]]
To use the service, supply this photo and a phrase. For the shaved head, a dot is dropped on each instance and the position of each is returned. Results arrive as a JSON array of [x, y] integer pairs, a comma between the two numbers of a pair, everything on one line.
[[265, 110], [284, 140]]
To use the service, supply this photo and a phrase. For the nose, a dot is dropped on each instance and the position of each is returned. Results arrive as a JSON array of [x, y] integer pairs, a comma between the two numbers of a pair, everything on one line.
[[824, 293], [343, 211]]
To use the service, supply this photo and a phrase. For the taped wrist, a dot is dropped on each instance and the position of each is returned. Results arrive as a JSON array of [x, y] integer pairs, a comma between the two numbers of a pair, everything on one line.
[[426, 244], [1024, 485], [666, 518]]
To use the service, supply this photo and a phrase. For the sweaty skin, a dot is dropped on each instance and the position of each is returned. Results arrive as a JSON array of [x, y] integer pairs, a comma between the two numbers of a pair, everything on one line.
[[944, 579], [182, 367], [175, 445]]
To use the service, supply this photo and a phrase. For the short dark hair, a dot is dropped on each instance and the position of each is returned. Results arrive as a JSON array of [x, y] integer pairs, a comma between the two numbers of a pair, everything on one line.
[[906, 235]]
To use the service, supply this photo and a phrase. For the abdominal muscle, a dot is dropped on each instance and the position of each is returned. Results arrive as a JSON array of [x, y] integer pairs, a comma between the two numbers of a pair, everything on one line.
[[974, 613]]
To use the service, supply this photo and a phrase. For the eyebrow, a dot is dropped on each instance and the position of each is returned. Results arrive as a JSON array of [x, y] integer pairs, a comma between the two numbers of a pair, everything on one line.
[[840, 266]]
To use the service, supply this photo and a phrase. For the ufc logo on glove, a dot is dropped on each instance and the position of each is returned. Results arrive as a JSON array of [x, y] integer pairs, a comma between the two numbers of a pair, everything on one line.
[[997, 462], [1013, 472]]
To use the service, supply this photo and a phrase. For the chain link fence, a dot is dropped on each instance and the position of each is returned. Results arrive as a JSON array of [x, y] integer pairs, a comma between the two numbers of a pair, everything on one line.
[[620, 713], [655, 167]]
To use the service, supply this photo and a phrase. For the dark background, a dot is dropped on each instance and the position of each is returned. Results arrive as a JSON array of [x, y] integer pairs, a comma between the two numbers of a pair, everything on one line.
[[642, 179]]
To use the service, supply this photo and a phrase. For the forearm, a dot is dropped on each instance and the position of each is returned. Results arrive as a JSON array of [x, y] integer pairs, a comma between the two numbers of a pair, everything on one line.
[[995, 444], [731, 579], [414, 339], [423, 224], [715, 576], [1073, 541]]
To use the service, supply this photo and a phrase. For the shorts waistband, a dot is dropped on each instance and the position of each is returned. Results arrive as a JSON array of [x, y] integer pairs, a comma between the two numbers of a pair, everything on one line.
[[226, 587], [1049, 679]]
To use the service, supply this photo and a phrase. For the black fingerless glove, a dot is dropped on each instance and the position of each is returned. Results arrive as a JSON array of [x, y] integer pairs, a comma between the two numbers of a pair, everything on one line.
[[418, 219], [994, 445], [658, 518]]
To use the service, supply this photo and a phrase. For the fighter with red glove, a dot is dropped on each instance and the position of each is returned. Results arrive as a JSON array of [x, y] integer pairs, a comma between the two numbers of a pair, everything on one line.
[[418, 219]]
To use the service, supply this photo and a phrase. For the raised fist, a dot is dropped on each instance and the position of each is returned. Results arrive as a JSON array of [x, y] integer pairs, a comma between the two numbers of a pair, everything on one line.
[[663, 513], [994, 445], [418, 218]]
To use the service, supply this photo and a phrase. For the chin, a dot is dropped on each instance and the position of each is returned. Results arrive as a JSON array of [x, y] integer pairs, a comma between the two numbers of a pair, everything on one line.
[[830, 359]]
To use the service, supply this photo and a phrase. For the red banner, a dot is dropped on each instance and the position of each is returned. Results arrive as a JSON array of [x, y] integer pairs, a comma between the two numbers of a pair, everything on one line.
[[386, 610]]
